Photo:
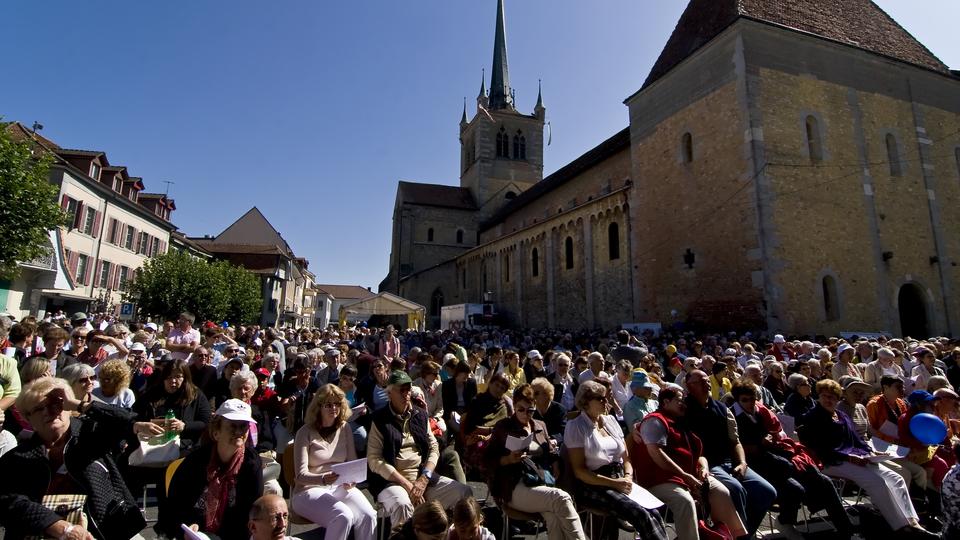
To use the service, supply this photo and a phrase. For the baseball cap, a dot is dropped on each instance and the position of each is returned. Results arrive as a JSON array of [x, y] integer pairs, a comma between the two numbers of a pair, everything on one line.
[[918, 397], [263, 371], [779, 339], [79, 316], [399, 377], [844, 347], [534, 354], [234, 409], [139, 347], [151, 326], [640, 379]]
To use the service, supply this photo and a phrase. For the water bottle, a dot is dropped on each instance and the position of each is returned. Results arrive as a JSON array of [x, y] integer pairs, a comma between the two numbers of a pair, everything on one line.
[[167, 422]]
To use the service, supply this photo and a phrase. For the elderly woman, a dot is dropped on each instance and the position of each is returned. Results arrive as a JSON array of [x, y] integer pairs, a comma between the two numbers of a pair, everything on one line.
[[82, 380], [600, 462], [172, 390], [800, 401], [67, 454], [786, 464], [546, 410], [885, 364], [214, 487], [855, 393], [669, 461], [482, 414], [776, 383], [523, 478], [429, 382], [221, 388], [324, 440], [925, 368], [844, 365], [832, 437], [263, 436], [114, 385]]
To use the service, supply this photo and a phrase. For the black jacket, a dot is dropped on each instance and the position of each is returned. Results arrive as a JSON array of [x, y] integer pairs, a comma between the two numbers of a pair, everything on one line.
[[186, 490], [195, 414], [27, 473], [448, 391]]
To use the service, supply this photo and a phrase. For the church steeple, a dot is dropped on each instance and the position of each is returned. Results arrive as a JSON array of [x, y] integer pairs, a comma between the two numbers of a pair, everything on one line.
[[501, 96], [482, 99]]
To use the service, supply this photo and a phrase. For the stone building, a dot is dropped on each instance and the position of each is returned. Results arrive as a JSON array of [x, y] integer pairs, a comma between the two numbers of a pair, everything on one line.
[[788, 166]]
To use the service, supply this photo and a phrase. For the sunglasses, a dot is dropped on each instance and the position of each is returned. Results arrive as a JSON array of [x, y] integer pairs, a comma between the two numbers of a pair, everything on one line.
[[332, 405], [522, 410], [89, 379]]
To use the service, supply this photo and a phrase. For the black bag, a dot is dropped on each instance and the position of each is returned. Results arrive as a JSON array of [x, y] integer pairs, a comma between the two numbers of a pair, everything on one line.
[[530, 474]]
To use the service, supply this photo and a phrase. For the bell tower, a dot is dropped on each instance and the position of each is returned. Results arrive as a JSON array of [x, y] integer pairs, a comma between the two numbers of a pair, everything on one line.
[[501, 148]]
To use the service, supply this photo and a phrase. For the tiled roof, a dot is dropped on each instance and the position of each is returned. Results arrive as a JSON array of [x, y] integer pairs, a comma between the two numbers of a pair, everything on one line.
[[255, 249], [436, 195], [859, 23], [342, 292]]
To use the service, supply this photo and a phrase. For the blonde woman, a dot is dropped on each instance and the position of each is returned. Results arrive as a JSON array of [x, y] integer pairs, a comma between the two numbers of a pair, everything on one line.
[[114, 384], [326, 439], [82, 379]]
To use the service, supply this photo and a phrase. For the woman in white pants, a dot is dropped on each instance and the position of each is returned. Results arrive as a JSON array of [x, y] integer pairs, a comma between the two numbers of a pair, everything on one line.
[[326, 439]]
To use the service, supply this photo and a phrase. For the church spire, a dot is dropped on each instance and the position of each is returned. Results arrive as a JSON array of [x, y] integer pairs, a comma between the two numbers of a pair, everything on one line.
[[463, 118], [501, 96]]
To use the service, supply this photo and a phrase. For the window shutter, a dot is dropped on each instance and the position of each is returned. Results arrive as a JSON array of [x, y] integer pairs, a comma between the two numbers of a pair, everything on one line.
[[97, 218], [96, 273], [87, 274], [73, 260], [163, 247], [112, 277], [136, 241], [64, 202], [78, 218]]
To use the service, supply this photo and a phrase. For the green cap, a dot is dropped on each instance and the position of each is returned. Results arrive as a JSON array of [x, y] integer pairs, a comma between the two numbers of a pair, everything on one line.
[[399, 377]]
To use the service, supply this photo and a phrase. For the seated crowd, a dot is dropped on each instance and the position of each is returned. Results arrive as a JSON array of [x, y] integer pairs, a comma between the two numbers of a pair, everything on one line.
[[659, 435]]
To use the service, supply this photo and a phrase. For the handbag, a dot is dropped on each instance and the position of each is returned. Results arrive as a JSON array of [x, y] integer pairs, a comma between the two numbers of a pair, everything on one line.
[[530, 474], [155, 452], [69, 507]]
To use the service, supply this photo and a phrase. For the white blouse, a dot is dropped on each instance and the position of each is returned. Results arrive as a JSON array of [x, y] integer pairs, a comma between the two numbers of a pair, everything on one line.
[[598, 451]]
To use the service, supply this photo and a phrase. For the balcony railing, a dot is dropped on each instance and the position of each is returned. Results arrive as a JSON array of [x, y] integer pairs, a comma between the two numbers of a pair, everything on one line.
[[44, 262]]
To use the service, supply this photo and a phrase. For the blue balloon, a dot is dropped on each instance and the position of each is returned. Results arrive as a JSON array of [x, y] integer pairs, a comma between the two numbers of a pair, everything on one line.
[[928, 429]]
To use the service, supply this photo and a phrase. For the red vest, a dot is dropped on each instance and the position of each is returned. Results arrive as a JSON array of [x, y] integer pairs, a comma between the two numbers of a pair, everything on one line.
[[683, 447]]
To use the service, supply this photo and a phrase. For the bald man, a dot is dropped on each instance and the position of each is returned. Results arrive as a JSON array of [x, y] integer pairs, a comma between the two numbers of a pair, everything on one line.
[[269, 519], [716, 426]]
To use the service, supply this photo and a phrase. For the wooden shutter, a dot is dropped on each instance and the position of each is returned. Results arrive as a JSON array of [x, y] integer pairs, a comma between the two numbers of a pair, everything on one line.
[[78, 217], [112, 277], [64, 202], [136, 241], [97, 218], [72, 261], [96, 273], [87, 274]]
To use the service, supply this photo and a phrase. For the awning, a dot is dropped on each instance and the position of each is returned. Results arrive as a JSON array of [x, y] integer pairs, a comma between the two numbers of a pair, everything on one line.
[[385, 304]]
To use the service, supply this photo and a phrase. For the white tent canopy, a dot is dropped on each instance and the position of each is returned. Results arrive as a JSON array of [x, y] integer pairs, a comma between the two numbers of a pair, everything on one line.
[[385, 304]]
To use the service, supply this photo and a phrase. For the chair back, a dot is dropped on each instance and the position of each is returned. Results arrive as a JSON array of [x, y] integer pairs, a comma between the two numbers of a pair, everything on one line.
[[168, 476], [290, 477]]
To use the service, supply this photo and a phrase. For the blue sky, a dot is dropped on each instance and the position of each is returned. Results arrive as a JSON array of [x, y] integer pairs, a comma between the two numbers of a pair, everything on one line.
[[313, 110]]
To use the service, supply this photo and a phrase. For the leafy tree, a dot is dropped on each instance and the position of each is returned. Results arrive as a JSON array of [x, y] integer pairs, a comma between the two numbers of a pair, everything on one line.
[[174, 282], [30, 206]]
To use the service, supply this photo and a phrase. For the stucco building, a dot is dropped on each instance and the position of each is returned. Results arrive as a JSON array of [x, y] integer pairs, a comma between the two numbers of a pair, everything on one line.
[[788, 166]]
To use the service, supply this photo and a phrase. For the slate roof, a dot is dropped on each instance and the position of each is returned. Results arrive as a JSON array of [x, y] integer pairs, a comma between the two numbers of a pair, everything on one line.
[[347, 292], [436, 195], [859, 23]]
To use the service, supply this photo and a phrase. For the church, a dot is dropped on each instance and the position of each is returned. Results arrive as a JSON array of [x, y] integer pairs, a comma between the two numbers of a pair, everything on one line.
[[786, 166]]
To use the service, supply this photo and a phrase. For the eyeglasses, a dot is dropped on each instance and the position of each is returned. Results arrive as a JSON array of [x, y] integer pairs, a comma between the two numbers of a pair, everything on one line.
[[275, 518], [332, 405], [87, 380], [522, 410], [598, 398], [79, 338]]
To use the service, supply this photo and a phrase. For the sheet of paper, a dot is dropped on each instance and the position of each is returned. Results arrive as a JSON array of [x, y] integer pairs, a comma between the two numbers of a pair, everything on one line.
[[883, 447], [514, 444], [890, 429], [190, 534], [351, 472], [644, 498], [789, 425], [359, 410], [881, 457]]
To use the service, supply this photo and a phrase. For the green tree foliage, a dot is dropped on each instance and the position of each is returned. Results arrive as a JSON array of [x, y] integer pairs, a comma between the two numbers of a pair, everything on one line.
[[174, 282], [29, 206]]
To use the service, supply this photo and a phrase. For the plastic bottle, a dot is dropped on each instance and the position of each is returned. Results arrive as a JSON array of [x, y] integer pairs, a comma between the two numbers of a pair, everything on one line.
[[167, 423]]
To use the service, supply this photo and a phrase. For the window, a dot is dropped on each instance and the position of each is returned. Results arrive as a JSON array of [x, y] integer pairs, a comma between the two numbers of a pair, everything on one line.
[[830, 299], [81, 268], [95, 171], [128, 242], [459, 236], [88, 221], [436, 303], [814, 144], [132, 195], [519, 146], [117, 184], [142, 246], [103, 280], [568, 252], [535, 262], [613, 239], [893, 155], [503, 143], [71, 210], [506, 268], [686, 147], [430, 235]]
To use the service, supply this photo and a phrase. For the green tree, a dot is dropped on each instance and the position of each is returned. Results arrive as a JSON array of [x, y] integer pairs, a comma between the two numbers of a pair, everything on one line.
[[174, 282], [30, 206]]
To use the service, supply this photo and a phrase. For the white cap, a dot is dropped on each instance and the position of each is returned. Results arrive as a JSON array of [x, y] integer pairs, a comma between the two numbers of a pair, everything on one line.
[[151, 326], [234, 409], [138, 347], [534, 354], [844, 347], [779, 339]]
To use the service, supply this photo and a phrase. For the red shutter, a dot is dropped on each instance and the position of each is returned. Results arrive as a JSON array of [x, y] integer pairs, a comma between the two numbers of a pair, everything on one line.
[[136, 241], [64, 202], [111, 276], [87, 274], [72, 260], [114, 230], [78, 217], [163, 247], [97, 218], [96, 273]]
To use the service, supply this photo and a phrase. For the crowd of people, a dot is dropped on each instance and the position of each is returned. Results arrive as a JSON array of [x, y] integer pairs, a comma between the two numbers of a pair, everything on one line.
[[647, 432]]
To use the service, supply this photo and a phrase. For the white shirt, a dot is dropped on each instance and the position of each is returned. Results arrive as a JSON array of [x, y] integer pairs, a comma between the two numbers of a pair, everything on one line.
[[182, 338], [597, 451], [620, 393]]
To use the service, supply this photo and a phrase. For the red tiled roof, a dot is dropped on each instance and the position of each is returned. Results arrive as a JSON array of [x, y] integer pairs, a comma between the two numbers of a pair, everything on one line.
[[345, 291], [436, 195], [859, 23], [258, 249]]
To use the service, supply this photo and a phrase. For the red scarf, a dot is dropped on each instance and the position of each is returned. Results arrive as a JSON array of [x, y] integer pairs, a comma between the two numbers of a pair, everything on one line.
[[220, 482]]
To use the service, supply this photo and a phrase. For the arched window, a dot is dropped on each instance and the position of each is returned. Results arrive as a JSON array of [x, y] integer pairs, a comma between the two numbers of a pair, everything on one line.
[[831, 306], [519, 146], [459, 236], [814, 144], [430, 234], [613, 239], [535, 262], [686, 147], [503, 143], [506, 268], [436, 303], [893, 155], [568, 253]]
